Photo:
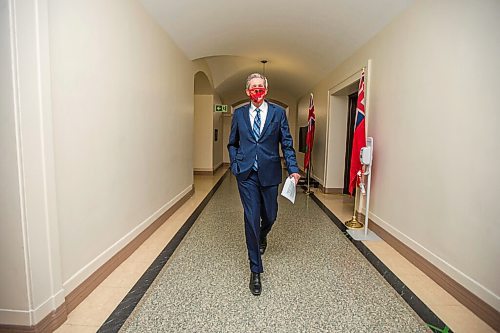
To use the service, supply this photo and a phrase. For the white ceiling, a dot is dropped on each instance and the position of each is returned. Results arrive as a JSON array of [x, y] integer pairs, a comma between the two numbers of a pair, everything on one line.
[[302, 40]]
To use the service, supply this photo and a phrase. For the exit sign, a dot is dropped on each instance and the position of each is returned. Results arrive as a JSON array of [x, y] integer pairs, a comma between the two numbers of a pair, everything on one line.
[[220, 108]]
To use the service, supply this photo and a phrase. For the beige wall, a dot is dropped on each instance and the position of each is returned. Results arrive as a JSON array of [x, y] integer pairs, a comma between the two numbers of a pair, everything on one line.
[[13, 276], [122, 103], [432, 113], [203, 133]]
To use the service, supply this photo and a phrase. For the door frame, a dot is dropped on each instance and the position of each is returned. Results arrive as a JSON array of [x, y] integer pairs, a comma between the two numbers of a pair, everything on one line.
[[334, 93]]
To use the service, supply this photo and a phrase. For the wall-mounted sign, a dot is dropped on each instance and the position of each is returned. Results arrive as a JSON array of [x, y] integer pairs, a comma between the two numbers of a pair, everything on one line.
[[220, 108]]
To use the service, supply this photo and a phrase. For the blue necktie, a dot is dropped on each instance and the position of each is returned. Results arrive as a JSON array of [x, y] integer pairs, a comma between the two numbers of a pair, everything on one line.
[[256, 134]]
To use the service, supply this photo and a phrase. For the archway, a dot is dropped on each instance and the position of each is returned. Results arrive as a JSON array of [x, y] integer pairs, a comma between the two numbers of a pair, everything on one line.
[[207, 127]]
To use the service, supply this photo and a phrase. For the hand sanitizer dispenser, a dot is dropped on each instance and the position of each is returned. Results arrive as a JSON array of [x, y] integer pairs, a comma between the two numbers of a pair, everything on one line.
[[365, 155]]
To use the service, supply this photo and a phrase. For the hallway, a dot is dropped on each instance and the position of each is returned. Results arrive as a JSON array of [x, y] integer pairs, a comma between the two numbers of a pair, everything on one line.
[[115, 118], [222, 303]]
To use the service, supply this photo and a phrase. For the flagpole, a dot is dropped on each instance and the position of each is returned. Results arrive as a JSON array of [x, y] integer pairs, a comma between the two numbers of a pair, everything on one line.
[[309, 175], [353, 223], [308, 191]]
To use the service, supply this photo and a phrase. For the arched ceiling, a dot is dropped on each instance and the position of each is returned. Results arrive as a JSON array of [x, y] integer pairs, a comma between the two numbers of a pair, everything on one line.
[[302, 40]]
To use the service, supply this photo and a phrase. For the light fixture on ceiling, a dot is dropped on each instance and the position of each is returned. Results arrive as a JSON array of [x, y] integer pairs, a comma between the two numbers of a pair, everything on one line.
[[264, 62]]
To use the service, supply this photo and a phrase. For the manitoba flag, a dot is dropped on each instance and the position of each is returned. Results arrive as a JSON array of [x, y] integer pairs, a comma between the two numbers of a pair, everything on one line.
[[311, 120], [359, 140]]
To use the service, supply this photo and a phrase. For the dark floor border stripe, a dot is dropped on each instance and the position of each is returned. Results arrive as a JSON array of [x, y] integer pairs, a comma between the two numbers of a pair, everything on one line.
[[422, 310], [116, 320]]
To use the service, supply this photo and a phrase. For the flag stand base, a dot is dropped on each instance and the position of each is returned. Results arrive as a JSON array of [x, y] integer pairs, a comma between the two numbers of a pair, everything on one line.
[[362, 235], [354, 223]]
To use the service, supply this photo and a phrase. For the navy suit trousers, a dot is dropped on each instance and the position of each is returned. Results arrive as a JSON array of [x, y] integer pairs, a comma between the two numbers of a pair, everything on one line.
[[260, 205]]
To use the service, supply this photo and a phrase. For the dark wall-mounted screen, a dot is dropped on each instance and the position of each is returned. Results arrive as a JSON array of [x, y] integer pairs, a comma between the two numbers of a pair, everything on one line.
[[302, 139]]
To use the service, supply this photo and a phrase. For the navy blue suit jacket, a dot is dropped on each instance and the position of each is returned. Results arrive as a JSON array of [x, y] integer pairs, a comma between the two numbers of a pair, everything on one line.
[[243, 147]]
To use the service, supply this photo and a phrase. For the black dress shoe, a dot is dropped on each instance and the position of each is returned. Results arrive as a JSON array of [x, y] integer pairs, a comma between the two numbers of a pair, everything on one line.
[[255, 285], [263, 245]]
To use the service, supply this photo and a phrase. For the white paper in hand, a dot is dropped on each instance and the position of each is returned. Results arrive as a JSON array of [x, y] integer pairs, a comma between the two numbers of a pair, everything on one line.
[[289, 189]]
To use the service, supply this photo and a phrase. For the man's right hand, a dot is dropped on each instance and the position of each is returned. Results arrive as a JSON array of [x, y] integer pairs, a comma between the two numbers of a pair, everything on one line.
[[296, 177]]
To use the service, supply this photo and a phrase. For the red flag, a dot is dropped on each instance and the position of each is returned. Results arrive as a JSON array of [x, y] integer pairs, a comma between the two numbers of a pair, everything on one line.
[[311, 120], [359, 140]]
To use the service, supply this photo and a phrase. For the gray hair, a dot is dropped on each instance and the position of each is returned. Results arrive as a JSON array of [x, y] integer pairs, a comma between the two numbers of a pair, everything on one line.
[[256, 75]]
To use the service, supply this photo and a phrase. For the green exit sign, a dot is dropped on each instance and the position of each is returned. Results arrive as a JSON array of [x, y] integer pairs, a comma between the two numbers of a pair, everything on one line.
[[220, 108]]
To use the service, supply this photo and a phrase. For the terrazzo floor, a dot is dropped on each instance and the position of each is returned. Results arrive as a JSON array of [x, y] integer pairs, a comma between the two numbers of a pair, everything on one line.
[[315, 280], [92, 312]]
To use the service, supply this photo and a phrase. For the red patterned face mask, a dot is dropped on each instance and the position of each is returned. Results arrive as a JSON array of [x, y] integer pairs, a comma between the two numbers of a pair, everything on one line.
[[257, 94]]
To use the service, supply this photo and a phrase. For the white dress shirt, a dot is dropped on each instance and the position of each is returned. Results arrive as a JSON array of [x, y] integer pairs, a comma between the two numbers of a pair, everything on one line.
[[263, 114]]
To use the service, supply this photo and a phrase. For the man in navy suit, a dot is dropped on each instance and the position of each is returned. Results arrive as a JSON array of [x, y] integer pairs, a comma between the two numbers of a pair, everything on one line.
[[257, 130]]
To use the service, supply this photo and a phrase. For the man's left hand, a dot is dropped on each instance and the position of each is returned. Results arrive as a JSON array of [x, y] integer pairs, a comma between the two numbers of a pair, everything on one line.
[[296, 177]]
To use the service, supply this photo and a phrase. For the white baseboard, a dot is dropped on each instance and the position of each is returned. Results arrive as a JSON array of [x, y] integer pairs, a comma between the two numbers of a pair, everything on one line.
[[48, 306], [203, 169], [469, 283], [80, 276], [31, 317], [15, 317]]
